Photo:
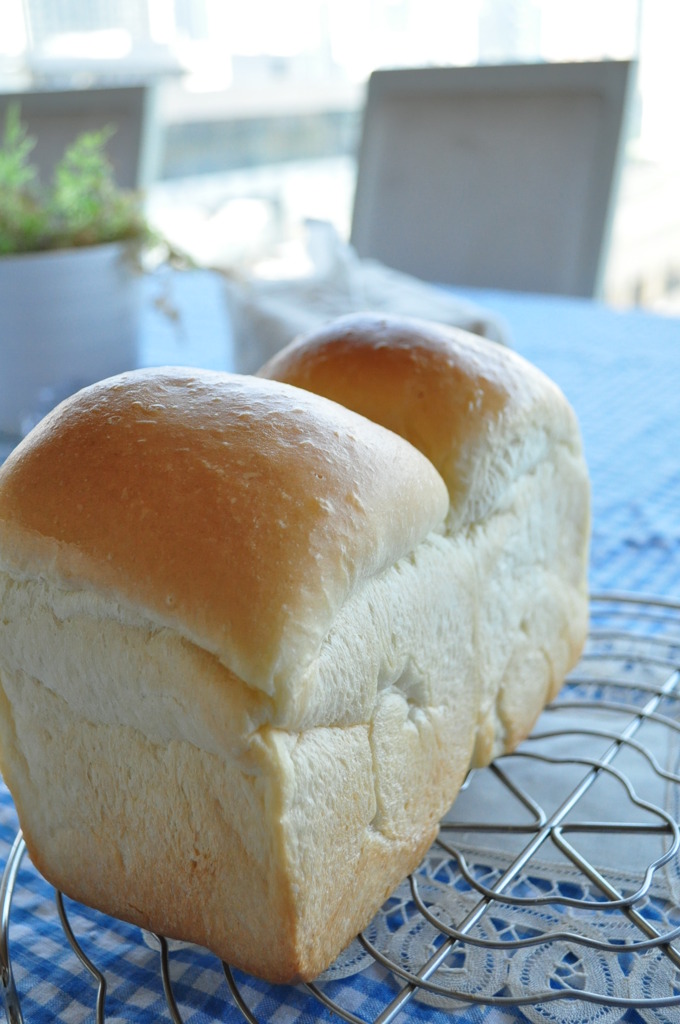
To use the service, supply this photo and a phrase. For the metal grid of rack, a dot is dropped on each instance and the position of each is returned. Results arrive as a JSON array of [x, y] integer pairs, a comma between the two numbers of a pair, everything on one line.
[[553, 889]]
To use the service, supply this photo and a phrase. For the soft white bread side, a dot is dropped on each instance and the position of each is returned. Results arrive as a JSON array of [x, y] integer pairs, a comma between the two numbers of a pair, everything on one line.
[[508, 447]]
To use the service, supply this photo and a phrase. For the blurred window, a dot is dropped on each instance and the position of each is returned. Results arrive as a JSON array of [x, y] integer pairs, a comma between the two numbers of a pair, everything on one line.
[[307, 58]]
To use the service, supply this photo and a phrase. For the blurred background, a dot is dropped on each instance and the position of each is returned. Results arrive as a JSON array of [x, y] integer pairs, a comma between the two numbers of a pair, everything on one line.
[[254, 109]]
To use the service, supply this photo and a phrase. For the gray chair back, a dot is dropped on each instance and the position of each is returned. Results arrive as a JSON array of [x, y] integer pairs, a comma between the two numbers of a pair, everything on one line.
[[493, 176]]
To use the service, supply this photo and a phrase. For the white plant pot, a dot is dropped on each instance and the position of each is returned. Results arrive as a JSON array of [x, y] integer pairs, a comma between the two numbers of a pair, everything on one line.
[[67, 318]]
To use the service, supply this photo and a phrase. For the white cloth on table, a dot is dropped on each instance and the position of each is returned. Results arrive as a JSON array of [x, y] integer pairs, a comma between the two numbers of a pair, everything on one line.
[[268, 313]]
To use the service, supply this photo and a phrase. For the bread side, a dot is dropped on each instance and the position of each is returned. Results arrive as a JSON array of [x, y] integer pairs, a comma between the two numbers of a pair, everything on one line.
[[198, 813]]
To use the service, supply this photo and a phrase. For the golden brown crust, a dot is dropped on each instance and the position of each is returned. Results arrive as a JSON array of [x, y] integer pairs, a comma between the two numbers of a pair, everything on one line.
[[241, 509], [437, 385], [459, 399]]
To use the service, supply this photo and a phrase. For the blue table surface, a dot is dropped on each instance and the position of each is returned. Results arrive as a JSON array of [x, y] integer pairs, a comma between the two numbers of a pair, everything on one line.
[[621, 371]]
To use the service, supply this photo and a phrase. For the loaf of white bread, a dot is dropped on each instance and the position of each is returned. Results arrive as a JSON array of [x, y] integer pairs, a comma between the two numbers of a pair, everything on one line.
[[252, 637]]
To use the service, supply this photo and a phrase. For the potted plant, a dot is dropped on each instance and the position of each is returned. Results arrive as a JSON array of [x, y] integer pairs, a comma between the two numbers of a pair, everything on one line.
[[69, 281]]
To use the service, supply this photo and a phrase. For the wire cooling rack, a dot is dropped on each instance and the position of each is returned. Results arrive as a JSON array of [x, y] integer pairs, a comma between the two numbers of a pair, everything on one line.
[[551, 894]]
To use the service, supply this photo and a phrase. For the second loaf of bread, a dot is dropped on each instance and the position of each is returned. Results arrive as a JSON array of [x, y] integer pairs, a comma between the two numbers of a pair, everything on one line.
[[251, 641], [507, 445]]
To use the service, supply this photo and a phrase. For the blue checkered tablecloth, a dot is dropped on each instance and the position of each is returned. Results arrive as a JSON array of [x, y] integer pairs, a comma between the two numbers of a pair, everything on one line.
[[621, 371]]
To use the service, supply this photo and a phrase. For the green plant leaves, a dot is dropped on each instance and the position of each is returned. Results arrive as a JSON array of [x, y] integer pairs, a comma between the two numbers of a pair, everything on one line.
[[82, 206]]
